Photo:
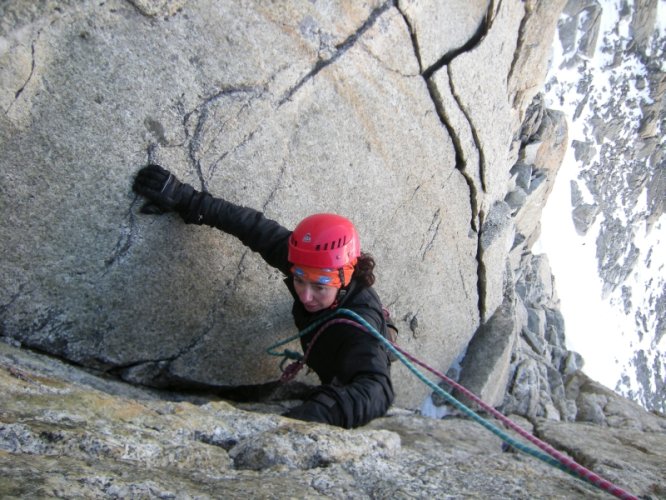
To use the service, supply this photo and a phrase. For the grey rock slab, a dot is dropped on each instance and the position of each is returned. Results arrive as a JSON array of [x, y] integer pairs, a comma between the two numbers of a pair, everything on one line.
[[633, 460], [293, 110]]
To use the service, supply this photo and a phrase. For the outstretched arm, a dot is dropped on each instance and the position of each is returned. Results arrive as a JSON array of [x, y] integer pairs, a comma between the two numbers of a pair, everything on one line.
[[166, 193]]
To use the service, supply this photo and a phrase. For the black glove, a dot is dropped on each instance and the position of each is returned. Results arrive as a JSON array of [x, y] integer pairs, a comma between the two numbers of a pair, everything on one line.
[[163, 190]]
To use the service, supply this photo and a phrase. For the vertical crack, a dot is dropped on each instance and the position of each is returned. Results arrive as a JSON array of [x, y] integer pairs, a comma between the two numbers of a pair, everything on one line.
[[195, 145], [414, 38], [234, 282], [125, 239], [433, 230], [275, 189], [481, 269], [196, 140], [521, 39], [221, 305], [340, 50], [457, 146], [478, 215], [18, 93], [32, 72], [436, 98], [127, 235], [475, 135]]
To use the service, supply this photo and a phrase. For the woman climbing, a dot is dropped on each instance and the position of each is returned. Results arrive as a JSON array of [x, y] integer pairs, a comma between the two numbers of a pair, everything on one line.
[[324, 270]]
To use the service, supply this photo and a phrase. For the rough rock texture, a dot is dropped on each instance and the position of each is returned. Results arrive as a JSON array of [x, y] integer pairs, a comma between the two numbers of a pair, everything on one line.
[[66, 433], [368, 109]]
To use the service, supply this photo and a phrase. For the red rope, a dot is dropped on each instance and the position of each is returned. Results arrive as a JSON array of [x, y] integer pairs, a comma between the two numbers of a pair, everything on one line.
[[563, 459], [291, 371]]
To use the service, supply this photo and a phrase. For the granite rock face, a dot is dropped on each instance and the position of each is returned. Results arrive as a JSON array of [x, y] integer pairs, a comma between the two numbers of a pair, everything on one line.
[[372, 110], [65, 432]]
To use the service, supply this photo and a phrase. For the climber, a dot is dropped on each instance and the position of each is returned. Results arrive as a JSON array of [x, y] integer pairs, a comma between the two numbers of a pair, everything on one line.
[[324, 270]]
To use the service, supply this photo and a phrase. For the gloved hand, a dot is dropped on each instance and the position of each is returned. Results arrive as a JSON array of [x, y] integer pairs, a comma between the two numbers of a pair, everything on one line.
[[163, 190]]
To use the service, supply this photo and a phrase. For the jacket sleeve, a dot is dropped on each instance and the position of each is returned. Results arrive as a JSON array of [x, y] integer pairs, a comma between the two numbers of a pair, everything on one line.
[[251, 227], [355, 372]]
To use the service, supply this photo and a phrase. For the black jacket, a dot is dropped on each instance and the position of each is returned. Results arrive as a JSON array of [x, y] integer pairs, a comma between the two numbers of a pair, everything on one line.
[[352, 365]]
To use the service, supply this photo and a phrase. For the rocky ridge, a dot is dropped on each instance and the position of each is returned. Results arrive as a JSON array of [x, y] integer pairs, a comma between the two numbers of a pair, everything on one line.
[[67, 433]]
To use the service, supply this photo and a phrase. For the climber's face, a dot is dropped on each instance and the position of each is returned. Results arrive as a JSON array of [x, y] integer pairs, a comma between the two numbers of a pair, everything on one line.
[[314, 296]]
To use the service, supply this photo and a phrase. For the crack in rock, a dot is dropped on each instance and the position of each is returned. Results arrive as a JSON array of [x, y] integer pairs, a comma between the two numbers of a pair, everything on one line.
[[458, 148], [473, 42], [475, 135], [232, 286], [340, 50], [244, 141], [195, 141], [32, 72], [521, 39], [165, 368], [18, 93], [432, 232], [478, 216], [194, 148], [127, 233], [481, 269]]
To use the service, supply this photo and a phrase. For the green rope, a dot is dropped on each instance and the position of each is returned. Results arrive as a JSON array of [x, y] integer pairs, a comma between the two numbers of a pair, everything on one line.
[[293, 354], [436, 388]]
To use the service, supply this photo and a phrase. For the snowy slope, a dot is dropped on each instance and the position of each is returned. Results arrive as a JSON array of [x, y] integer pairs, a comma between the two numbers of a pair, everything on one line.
[[603, 227]]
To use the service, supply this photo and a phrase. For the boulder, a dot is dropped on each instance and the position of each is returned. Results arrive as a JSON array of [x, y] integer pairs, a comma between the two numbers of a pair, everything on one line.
[[485, 368]]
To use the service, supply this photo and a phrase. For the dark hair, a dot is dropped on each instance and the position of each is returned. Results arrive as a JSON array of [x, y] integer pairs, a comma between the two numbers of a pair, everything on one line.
[[364, 270]]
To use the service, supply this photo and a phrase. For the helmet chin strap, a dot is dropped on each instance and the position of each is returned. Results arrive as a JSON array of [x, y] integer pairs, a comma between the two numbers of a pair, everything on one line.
[[342, 291]]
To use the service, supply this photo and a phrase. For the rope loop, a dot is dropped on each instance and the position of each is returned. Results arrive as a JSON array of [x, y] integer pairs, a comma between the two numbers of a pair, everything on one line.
[[290, 372]]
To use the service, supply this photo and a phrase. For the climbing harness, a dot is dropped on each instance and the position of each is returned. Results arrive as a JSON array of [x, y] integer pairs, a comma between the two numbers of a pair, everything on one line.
[[545, 452]]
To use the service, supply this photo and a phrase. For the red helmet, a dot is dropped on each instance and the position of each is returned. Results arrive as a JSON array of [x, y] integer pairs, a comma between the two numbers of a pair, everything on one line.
[[324, 241]]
